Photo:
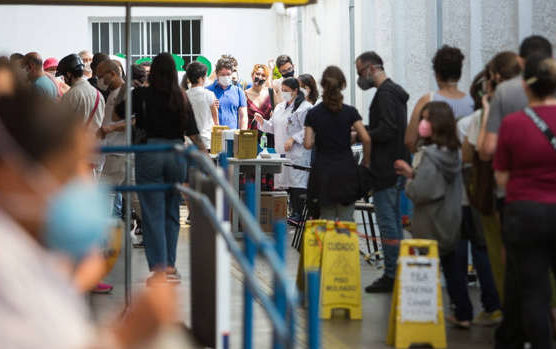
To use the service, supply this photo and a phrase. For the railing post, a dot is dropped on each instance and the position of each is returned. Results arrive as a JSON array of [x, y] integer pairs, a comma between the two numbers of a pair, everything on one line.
[[250, 252], [279, 292], [313, 280]]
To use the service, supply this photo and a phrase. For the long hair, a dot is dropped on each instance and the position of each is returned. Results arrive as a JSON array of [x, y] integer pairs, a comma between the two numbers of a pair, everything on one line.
[[333, 82], [294, 85], [309, 81], [443, 124], [163, 78]]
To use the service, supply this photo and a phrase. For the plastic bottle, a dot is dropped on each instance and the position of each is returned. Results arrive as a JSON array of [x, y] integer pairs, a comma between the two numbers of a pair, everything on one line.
[[263, 141]]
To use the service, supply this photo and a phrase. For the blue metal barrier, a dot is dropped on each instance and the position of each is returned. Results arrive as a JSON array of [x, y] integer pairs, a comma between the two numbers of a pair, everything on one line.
[[281, 311]]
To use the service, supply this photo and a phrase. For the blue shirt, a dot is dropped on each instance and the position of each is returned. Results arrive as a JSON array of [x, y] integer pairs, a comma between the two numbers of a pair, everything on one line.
[[230, 99], [46, 87]]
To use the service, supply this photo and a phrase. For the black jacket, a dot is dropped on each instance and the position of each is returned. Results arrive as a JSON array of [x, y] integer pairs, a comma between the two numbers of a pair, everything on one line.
[[387, 124]]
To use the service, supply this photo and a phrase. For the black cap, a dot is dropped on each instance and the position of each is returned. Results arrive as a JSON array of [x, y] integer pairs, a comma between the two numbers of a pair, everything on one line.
[[69, 64]]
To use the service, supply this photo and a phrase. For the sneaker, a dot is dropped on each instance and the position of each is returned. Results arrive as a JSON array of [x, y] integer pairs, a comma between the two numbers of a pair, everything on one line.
[[102, 288], [173, 276], [463, 325], [488, 319], [383, 285]]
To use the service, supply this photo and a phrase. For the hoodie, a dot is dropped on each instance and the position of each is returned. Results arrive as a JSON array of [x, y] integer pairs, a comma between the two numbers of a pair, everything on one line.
[[436, 192], [387, 124]]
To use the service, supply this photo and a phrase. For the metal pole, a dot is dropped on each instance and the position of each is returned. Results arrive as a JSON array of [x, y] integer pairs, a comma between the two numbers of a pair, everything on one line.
[[128, 167], [250, 252], [299, 41], [352, 51], [313, 280], [439, 24], [279, 294]]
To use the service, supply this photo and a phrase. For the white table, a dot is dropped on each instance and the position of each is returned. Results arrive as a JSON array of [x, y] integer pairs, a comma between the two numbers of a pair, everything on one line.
[[258, 166]]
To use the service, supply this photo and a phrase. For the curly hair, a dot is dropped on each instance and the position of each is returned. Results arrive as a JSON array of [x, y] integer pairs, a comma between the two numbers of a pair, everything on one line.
[[224, 63], [447, 63], [263, 67], [333, 82]]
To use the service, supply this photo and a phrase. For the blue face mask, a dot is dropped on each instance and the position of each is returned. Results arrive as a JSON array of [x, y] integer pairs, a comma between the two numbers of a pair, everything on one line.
[[77, 219]]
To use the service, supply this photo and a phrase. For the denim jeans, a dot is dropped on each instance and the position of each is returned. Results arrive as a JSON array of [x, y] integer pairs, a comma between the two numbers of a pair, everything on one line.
[[389, 219], [160, 210]]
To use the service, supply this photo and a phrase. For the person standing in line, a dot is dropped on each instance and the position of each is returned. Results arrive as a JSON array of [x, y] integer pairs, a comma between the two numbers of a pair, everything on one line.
[[50, 66], [286, 68], [82, 98], [333, 181], [260, 100], [163, 111], [387, 126], [87, 58], [93, 80], [32, 63], [447, 65], [525, 165], [232, 104], [287, 125], [202, 101], [308, 86]]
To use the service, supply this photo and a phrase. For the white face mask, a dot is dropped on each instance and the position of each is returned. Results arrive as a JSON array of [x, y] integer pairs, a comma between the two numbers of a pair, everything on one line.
[[102, 85], [225, 80], [287, 96], [87, 68], [305, 91]]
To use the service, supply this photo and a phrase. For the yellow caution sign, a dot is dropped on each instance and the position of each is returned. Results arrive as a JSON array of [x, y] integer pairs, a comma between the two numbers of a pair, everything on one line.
[[416, 315], [341, 271], [311, 250]]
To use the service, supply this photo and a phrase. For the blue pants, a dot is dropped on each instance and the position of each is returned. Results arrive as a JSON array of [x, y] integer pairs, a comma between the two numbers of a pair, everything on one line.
[[389, 219], [160, 210]]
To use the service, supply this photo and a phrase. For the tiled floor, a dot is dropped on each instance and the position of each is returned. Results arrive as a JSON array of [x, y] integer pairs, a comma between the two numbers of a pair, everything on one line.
[[336, 334]]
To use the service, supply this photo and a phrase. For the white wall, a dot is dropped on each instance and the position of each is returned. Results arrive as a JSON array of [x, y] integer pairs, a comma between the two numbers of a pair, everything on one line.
[[249, 35], [403, 32]]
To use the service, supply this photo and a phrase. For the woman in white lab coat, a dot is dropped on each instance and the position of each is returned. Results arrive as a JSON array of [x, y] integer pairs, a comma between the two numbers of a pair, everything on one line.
[[287, 124]]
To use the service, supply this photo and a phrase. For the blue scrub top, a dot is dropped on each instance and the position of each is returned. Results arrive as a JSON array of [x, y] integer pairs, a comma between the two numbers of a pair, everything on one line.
[[231, 99]]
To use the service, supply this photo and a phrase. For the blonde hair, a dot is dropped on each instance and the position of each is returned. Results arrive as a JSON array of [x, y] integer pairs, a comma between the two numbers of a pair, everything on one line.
[[263, 67]]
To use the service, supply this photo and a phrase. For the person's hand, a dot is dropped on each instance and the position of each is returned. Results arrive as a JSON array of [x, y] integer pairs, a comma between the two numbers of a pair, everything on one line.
[[259, 118], [154, 309], [403, 169], [485, 102], [289, 144], [270, 64], [216, 103], [102, 132]]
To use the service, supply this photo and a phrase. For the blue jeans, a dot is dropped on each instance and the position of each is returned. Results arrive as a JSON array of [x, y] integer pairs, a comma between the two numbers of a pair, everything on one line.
[[160, 210], [389, 219]]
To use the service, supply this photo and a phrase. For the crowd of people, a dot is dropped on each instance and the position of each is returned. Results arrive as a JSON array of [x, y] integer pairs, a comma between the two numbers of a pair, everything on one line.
[[478, 166]]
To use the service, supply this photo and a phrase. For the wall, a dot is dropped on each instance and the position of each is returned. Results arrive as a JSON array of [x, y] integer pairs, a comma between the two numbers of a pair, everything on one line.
[[249, 35]]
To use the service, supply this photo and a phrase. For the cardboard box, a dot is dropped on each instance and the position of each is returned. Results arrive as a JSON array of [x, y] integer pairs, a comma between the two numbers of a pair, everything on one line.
[[274, 206]]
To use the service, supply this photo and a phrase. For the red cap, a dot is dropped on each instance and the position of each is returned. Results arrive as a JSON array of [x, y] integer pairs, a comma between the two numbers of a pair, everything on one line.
[[50, 63]]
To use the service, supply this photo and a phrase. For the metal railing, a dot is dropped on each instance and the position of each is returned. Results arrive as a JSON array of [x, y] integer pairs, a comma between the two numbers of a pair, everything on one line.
[[282, 309]]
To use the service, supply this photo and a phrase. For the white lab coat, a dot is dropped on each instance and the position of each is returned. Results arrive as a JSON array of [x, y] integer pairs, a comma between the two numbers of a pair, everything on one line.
[[285, 124]]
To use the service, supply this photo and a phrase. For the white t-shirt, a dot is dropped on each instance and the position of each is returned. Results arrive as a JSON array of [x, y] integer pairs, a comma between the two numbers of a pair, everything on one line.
[[81, 99], [113, 138], [201, 99], [474, 128]]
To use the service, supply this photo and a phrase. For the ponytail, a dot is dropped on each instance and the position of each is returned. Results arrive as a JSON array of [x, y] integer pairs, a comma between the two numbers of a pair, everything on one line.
[[333, 82]]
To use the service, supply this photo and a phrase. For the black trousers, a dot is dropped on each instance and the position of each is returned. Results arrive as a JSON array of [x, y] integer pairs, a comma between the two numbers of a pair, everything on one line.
[[296, 202], [529, 232]]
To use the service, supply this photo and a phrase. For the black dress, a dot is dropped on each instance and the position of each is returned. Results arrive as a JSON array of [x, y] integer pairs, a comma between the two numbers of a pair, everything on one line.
[[333, 179]]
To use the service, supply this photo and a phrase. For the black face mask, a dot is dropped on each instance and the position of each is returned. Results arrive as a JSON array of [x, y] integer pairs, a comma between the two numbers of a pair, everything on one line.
[[289, 74], [259, 82]]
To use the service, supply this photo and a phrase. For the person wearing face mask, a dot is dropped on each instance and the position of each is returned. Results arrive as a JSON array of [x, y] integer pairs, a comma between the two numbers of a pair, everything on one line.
[[308, 86], [287, 125], [260, 99], [87, 58], [202, 101], [232, 104], [387, 124], [52, 218], [286, 68], [97, 59], [82, 98], [32, 63]]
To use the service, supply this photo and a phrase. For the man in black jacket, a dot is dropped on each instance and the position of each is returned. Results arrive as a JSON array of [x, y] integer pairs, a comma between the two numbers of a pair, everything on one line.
[[387, 124]]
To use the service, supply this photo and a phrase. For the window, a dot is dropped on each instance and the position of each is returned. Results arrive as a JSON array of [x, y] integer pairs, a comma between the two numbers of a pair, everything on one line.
[[149, 37]]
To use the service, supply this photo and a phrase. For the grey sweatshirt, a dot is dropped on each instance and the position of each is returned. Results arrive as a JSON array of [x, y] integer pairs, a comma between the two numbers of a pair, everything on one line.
[[436, 193]]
